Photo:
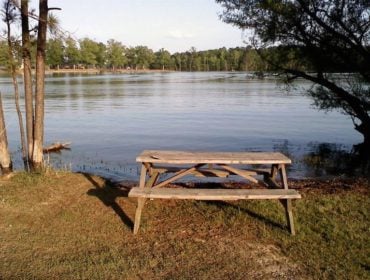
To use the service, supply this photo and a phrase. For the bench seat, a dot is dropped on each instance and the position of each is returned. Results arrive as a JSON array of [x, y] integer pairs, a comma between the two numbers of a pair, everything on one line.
[[213, 194]]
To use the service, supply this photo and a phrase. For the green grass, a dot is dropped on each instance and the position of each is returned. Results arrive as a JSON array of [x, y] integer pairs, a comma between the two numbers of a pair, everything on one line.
[[64, 226]]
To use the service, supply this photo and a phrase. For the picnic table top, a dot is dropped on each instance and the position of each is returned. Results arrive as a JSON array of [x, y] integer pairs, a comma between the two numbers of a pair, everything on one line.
[[186, 157]]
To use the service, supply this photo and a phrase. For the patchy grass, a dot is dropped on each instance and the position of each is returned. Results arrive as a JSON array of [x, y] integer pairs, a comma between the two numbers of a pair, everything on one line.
[[64, 225]]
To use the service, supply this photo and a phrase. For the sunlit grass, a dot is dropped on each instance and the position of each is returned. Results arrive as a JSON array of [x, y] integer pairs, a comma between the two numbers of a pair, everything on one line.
[[63, 225]]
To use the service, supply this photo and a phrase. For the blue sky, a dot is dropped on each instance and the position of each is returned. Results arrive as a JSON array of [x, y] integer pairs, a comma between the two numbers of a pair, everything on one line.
[[175, 25]]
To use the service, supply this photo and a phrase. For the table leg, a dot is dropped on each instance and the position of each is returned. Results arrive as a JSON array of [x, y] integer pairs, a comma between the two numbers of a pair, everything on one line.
[[152, 180], [269, 178], [274, 171], [140, 201], [144, 170], [139, 208], [284, 180], [287, 203], [289, 214]]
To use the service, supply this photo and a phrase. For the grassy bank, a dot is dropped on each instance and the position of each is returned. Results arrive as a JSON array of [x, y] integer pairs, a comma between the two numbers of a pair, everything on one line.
[[64, 225]]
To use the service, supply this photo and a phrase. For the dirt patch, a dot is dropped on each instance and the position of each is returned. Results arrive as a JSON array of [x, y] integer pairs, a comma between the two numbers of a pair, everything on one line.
[[332, 186], [265, 261]]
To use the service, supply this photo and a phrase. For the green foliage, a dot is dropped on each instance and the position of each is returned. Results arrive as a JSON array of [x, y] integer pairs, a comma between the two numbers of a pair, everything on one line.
[[89, 52], [55, 53], [100, 55], [143, 57], [71, 52], [4, 56], [315, 39], [115, 54], [163, 60], [331, 35]]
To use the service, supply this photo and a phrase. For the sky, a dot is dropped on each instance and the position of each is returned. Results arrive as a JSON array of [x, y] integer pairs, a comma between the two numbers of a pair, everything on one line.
[[176, 25]]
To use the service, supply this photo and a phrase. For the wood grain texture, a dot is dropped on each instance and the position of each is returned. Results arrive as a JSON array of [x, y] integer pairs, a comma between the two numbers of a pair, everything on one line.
[[245, 174], [184, 157], [214, 194], [201, 172]]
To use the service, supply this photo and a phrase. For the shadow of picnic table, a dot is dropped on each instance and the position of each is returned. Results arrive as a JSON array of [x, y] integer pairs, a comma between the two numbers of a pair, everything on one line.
[[227, 204], [108, 194]]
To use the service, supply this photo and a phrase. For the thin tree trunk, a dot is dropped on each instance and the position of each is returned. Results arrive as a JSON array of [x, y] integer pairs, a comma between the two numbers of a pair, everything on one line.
[[40, 83], [13, 71], [27, 77], [5, 160]]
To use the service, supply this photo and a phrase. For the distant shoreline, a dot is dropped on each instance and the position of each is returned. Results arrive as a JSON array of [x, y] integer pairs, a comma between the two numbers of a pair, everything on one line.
[[94, 71], [102, 71], [91, 71]]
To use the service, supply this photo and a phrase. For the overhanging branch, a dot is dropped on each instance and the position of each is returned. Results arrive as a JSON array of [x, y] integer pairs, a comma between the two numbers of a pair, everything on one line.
[[358, 106]]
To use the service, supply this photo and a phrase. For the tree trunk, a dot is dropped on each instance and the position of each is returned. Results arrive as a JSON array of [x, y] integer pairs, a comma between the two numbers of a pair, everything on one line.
[[37, 156], [364, 148], [27, 77], [5, 160], [13, 71]]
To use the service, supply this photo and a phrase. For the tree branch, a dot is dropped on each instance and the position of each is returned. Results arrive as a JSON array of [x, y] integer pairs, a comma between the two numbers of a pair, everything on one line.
[[331, 30], [358, 106]]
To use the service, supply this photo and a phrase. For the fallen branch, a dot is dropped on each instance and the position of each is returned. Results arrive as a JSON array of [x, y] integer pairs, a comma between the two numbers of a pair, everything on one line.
[[56, 147]]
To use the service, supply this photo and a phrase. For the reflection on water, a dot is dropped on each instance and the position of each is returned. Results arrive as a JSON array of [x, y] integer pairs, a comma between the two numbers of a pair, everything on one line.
[[111, 118], [333, 159]]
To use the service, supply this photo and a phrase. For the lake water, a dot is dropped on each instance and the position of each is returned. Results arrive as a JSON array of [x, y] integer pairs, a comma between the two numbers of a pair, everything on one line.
[[110, 119]]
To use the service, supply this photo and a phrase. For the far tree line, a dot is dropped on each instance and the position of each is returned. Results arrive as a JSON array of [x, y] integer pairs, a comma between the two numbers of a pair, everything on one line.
[[87, 53]]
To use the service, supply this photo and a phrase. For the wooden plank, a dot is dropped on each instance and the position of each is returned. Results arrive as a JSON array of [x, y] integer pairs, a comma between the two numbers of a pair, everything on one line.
[[214, 194], [201, 172], [211, 173], [183, 157], [178, 175], [243, 173], [167, 169]]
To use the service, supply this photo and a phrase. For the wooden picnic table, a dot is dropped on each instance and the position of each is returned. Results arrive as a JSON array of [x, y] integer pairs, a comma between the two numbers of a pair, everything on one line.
[[217, 164]]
